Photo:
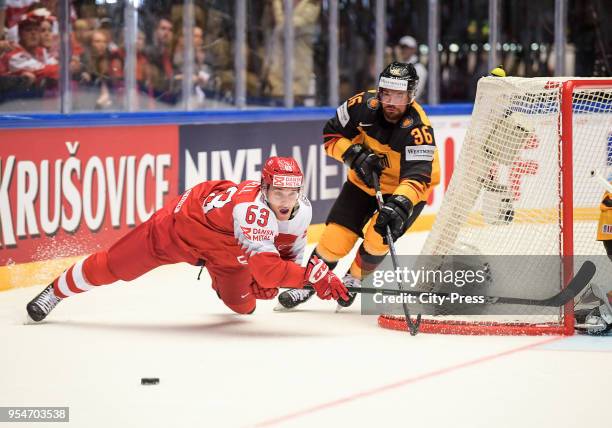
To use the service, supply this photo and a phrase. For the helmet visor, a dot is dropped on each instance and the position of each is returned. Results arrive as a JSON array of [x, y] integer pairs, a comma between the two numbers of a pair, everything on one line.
[[390, 96]]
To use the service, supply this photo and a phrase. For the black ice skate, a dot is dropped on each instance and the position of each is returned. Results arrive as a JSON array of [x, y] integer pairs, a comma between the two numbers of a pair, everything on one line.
[[291, 298], [349, 281], [43, 304]]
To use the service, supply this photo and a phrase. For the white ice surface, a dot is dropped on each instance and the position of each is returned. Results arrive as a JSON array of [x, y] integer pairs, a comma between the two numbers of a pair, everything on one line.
[[307, 368]]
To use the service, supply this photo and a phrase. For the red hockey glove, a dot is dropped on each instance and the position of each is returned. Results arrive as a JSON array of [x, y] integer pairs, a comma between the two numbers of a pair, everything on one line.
[[262, 293], [325, 282]]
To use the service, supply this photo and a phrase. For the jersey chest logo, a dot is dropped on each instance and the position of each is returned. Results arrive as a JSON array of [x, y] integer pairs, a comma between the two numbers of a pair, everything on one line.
[[246, 231], [257, 234], [406, 122], [373, 103]]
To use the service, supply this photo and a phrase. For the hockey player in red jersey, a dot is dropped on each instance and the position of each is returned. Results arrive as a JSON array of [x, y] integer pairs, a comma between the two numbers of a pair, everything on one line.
[[250, 236]]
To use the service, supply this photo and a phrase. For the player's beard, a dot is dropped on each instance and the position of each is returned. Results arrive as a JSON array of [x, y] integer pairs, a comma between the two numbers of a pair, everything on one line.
[[393, 112]]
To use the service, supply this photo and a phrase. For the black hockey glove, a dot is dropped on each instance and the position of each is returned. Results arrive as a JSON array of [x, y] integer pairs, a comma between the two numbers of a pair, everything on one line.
[[364, 162], [395, 214]]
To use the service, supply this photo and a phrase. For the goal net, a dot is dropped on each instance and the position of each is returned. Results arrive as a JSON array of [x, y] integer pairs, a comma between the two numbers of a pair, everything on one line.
[[522, 187]]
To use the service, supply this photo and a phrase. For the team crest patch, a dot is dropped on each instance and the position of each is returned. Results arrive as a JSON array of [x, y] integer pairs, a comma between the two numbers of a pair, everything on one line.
[[395, 71], [607, 228], [284, 165], [406, 122], [373, 103]]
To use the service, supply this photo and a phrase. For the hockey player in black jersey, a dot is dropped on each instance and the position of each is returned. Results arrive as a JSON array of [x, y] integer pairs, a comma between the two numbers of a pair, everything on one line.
[[381, 132]]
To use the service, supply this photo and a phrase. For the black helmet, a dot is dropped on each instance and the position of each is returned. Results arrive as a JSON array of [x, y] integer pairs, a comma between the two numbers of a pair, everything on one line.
[[399, 76]]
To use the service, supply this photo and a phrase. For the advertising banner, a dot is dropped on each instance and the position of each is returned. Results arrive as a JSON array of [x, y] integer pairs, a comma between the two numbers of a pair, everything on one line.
[[237, 151], [68, 192]]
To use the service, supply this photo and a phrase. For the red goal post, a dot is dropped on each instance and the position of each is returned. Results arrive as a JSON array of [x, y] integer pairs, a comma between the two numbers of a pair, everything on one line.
[[556, 130]]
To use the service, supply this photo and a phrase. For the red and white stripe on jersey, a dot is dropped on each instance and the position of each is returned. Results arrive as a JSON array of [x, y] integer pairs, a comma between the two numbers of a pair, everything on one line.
[[291, 240], [72, 282]]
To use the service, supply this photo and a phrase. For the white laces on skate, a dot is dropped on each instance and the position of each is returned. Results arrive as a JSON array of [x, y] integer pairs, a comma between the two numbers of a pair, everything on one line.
[[47, 299], [350, 281], [298, 294]]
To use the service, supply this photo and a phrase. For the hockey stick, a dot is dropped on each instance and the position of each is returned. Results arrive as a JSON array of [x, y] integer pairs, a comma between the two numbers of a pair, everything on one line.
[[413, 326], [601, 180], [574, 287]]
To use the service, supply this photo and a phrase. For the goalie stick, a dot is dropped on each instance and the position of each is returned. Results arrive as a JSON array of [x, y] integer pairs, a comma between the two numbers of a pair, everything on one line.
[[575, 286]]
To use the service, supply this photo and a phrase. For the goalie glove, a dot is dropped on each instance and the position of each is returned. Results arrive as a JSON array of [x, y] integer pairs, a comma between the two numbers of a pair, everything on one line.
[[395, 214], [364, 162], [324, 281]]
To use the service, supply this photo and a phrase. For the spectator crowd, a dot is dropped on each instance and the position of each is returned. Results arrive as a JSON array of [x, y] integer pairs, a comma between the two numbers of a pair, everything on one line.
[[30, 55], [30, 63], [30, 58]]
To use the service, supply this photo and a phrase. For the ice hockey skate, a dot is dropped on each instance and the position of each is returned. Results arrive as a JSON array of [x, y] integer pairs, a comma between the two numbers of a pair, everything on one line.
[[43, 304], [349, 281], [289, 299]]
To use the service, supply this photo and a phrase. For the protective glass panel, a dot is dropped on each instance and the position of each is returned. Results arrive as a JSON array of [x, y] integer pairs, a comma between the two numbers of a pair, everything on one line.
[[29, 57]]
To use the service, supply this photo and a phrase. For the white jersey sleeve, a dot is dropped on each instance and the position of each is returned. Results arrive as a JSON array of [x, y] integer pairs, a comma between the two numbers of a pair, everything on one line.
[[255, 227], [291, 241]]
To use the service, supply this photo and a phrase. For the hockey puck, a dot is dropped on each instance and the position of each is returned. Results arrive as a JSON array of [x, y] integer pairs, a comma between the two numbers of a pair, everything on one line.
[[149, 381]]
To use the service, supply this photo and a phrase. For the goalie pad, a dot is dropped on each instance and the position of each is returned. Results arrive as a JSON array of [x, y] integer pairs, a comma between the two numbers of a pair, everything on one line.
[[604, 293], [497, 206], [510, 134]]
